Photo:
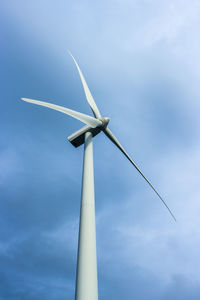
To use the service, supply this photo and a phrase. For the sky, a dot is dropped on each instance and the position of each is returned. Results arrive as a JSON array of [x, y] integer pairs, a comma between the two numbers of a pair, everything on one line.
[[141, 60]]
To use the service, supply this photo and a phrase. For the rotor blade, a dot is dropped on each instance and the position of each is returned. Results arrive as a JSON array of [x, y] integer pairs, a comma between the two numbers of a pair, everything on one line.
[[88, 94], [111, 136], [77, 115]]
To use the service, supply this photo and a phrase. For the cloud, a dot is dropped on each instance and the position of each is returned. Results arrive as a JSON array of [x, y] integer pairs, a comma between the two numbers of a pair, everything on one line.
[[140, 59]]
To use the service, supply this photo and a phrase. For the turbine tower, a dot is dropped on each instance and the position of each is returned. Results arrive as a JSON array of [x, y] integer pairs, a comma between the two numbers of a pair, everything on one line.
[[86, 274]]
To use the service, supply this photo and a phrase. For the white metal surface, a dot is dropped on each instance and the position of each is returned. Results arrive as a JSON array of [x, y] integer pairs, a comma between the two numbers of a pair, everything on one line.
[[86, 276], [72, 113], [88, 94], [78, 138]]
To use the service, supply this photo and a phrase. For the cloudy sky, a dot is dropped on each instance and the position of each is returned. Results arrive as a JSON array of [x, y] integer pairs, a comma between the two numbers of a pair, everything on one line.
[[141, 59]]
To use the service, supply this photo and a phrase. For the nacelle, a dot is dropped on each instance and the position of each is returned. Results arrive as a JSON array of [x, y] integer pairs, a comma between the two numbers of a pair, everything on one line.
[[78, 138]]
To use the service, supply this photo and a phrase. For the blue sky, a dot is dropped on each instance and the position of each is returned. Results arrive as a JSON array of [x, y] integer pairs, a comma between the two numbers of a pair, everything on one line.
[[141, 62]]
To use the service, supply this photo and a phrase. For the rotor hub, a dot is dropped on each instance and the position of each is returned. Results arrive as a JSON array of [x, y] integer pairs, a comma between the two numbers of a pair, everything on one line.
[[105, 122]]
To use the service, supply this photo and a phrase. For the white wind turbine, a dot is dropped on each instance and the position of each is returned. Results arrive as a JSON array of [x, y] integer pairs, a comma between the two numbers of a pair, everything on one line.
[[86, 274]]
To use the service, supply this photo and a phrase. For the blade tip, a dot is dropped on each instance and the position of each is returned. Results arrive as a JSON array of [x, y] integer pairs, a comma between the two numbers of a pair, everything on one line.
[[27, 100], [70, 54]]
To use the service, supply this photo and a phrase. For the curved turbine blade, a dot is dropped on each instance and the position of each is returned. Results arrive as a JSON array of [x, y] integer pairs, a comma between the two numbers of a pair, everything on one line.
[[111, 136], [88, 94], [77, 115]]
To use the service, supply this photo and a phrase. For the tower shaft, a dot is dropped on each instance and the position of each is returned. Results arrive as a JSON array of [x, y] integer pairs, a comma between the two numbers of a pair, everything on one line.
[[86, 276]]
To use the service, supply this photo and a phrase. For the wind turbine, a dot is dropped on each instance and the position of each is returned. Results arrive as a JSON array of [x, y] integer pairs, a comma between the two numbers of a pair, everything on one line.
[[86, 274]]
